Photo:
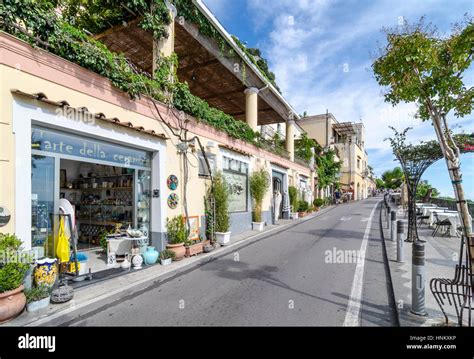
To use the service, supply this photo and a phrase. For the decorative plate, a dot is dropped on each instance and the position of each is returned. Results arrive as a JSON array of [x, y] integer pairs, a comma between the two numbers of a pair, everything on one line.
[[172, 182], [173, 200]]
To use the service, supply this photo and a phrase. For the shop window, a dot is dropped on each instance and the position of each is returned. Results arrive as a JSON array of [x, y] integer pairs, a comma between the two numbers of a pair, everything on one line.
[[236, 176], [203, 169]]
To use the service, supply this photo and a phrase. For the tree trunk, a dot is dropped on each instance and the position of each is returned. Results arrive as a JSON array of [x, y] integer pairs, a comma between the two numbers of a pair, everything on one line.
[[452, 158]]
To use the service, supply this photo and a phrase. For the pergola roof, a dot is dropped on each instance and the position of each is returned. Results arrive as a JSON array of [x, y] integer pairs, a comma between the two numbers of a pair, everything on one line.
[[208, 72], [344, 128]]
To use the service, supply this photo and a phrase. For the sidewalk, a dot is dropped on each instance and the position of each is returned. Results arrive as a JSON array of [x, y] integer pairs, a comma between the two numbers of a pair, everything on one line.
[[441, 256], [87, 298]]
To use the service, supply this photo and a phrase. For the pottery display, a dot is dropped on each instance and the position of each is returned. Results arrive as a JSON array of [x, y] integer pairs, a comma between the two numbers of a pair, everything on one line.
[[12, 303], [46, 272], [126, 262], [166, 262], [150, 255]]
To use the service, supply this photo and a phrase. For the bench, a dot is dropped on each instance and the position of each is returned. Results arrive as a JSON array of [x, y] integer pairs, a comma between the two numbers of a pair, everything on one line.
[[458, 292]]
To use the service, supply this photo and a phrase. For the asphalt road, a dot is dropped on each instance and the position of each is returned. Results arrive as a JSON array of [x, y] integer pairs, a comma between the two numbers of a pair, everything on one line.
[[294, 277]]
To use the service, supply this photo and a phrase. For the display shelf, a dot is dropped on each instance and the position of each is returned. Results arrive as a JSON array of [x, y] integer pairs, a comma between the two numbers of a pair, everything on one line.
[[101, 223], [108, 176], [107, 188]]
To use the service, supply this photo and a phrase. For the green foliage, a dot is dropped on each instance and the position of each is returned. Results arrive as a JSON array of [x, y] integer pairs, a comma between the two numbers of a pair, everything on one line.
[[97, 16], [74, 45], [12, 275], [259, 182], [423, 188], [9, 242], [393, 178], [176, 230], [303, 206], [419, 65], [103, 238], [221, 198], [209, 215], [255, 56], [304, 146], [380, 183], [327, 169], [166, 254], [293, 193], [37, 293], [319, 202]]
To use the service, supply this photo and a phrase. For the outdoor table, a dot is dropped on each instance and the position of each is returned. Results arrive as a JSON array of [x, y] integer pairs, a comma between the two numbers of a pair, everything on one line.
[[426, 209], [453, 218], [431, 211], [123, 245]]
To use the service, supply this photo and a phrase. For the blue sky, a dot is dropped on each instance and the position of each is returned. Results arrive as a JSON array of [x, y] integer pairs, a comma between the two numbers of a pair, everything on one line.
[[311, 43]]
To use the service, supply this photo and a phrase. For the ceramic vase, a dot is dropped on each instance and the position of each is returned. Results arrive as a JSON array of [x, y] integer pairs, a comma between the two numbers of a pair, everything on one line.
[[151, 255], [46, 272]]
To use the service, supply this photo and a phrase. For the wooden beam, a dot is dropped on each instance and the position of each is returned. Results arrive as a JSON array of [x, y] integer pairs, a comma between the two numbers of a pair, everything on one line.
[[225, 94], [117, 28], [252, 79], [196, 66]]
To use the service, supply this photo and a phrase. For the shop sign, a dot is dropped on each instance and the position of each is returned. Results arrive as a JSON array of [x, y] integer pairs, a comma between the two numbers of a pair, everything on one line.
[[237, 185], [73, 145]]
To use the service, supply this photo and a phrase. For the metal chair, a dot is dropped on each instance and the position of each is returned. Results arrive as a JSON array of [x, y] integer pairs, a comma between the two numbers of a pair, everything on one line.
[[458, 292], [440, 223]]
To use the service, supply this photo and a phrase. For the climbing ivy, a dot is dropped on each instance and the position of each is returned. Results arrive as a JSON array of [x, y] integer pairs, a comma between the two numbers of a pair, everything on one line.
[[42, 27], [96, 16]]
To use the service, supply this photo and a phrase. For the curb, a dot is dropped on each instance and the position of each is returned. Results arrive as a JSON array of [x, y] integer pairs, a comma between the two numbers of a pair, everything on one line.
[[143, 285], [387, 266]]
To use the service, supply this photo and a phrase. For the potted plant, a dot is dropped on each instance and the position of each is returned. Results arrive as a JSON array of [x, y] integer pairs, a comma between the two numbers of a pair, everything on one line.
[[12, 274], [221, 200], [303, 207], [194, 247], [37, 297], [293, 193], [176, 233], [259, 184], [166, 256]]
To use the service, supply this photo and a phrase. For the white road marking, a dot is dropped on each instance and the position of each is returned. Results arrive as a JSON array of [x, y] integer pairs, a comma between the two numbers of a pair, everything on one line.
[[354, 305], [346, 218]]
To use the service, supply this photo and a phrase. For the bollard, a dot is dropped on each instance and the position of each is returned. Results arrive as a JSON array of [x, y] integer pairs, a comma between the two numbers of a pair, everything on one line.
[[387, 217], [418, 279], [393, 227], [400, 232]]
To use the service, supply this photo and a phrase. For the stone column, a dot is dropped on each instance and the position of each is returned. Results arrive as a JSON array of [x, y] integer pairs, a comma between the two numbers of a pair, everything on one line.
[[165, 47], [290, 138], [251, 107]]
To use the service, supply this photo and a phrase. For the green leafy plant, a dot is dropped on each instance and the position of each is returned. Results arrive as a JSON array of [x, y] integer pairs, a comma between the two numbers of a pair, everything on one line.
[[176, 230], [304, 146], [166, 254], [103, 238], [12, 275], [327, 169], [259, 184], [221, 198], [303, 206], [319, 202], [34, 294], [293, 193], [9, 242]]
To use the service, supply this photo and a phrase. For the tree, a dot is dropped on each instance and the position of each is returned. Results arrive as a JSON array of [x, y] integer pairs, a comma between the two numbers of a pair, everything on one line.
[[393, 178], [420, 66], [380, 183], [327, 169], [424, 188], [304, 146]]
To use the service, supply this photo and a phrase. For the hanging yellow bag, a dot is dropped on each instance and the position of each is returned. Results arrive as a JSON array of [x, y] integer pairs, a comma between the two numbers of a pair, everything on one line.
[[62, 248]]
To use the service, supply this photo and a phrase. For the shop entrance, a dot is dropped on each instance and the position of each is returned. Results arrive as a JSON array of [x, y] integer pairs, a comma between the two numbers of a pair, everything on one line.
[[106, 187]]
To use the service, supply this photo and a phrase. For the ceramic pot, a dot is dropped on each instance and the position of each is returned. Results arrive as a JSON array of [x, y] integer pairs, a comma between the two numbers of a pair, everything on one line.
[[223, 238], [46, 272], [39, 304], [258, 226], [137, 261], [12, 303], [150, 256], [178, 250], [166, 262]]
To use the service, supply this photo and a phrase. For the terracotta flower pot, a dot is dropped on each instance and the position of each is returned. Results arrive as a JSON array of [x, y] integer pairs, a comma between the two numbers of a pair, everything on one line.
[[194, 249], [12, 303], [178, 250]]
